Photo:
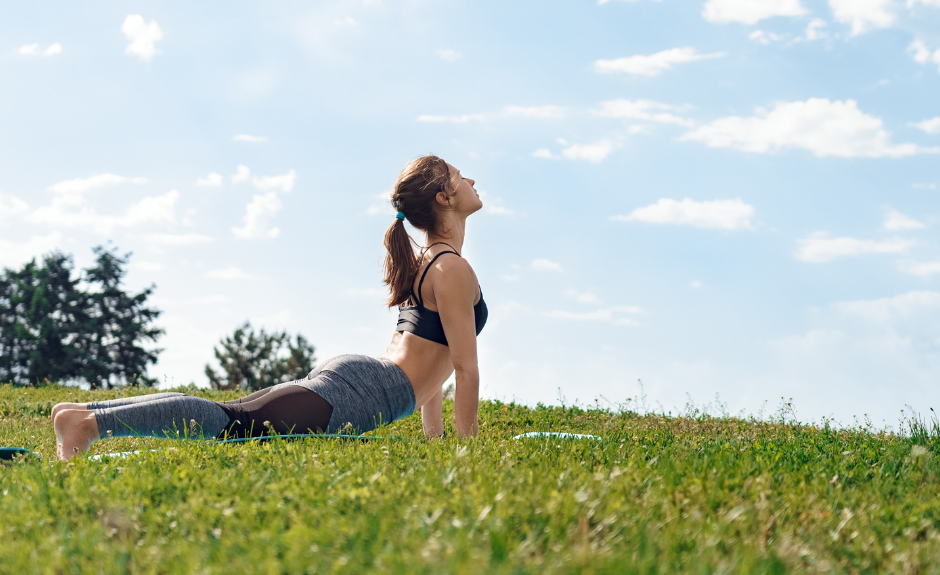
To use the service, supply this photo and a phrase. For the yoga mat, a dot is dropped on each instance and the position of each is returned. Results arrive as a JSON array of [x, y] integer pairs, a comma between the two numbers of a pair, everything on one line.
[[558, 434], [8, 453], [123, 454], [304, 435]]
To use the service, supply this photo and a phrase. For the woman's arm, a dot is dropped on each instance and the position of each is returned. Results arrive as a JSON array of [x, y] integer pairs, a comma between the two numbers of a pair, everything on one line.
[[432, 419], [454, 293]]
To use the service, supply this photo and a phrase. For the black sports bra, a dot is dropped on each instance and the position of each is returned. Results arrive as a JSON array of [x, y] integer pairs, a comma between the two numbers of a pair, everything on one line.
[[426, 323]]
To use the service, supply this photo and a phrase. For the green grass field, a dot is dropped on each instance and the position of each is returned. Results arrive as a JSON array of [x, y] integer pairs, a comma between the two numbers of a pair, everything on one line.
[[692, 494]]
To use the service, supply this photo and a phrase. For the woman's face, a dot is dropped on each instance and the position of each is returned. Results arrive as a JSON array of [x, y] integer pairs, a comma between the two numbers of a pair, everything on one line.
[[465, 198]]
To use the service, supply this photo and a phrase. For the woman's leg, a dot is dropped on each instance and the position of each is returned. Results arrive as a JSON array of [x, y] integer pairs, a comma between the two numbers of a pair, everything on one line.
[[143, 398], [284, 409], [112, 403], [176, 416]]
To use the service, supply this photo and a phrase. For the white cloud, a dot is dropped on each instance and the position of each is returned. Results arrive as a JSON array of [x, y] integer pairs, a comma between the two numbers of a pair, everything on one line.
[[863, 15], [749, 11], [257, 213], [229, 273], [249, 138], [152, 209], [11, 206], [448, 55], [922, 55], [82, 185], [383, 205], [530, 112], [920, 268], [345, 21], [654, 64], [544, 265], [715, 214], [492, 205], [912, 3], [498, 209], [583, 297], [147, 266], [895, 220], [213, 180], [888, 309], [765, 38], [924, 186], [206, 300], [176, 240], [825, 128], [814, 30], [142, 37], [35, 50], [242, 174], [819, 247], [931, 126], [72, 211], [535, 111], [462, 119], [591, 152], [13, 254], [284, 182], [695, 284], [643, 110], [544, 153], [616, 315], [602, 2]]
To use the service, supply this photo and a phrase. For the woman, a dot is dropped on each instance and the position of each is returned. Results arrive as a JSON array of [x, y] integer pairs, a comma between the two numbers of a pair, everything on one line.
[[441, 312]]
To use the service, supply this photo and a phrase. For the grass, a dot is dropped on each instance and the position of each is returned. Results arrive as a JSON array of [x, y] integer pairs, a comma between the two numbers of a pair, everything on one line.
[[690, 494]]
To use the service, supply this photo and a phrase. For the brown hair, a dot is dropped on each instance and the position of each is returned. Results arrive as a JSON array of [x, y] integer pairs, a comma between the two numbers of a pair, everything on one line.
[[414, 196]]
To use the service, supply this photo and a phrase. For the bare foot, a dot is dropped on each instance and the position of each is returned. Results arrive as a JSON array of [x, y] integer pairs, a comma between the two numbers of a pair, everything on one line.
[[60, 406], [75, 431]]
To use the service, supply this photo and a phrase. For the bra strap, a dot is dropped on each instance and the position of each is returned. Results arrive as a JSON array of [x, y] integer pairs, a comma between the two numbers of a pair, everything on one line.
[[436, 243], [421, 283]]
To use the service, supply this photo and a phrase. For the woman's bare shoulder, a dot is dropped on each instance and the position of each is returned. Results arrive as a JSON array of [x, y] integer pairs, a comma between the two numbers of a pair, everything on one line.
[[455, 269]]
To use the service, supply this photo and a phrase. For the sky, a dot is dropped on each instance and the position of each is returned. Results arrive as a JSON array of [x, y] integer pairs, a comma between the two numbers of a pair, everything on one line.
[[714, 202]]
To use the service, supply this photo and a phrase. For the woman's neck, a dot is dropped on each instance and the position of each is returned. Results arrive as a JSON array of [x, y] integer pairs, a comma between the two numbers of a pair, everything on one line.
[[456, 230]]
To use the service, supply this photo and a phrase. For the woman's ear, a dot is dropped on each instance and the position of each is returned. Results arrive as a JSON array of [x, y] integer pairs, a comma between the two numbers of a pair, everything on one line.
[[443, 199]]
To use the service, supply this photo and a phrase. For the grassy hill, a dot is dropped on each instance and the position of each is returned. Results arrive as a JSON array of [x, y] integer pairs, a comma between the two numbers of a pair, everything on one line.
[[656, 495]]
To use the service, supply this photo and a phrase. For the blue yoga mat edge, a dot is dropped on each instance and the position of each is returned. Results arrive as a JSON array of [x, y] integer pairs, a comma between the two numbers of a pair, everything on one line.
[[8, 453]]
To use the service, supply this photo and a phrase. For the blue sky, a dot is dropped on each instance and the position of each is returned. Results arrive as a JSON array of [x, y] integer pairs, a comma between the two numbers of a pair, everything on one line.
[[733, 197]]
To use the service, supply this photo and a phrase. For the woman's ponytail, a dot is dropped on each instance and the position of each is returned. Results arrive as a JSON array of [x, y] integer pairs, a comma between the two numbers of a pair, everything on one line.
[[401, 263]]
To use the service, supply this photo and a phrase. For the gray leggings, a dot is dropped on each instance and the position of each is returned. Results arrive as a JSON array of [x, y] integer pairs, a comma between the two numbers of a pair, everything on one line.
[[160, 415], [350, 392]]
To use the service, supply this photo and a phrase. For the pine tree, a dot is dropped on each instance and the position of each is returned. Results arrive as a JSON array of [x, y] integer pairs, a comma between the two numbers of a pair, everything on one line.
[[118, 324], [51, 329], [41, 314]]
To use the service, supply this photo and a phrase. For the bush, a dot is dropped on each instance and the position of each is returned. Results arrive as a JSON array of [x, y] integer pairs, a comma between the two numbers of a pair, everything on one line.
[[254, 360]]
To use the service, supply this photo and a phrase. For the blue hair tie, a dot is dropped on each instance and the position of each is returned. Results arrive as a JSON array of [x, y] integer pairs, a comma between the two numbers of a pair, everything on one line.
[[400, 216]]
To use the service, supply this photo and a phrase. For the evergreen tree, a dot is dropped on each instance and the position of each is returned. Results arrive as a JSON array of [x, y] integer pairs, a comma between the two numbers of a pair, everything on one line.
[[253, 360], [50, 329], [118, 323], [41, 314]]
